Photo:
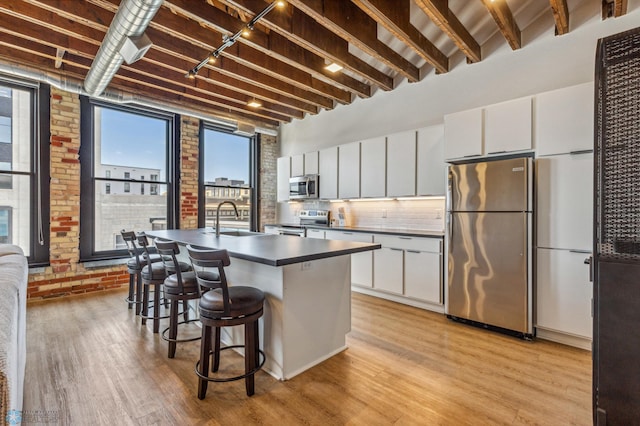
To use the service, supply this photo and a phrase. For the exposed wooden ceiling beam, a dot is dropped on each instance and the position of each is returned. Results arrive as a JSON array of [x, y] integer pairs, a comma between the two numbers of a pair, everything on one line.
[[619, 8], [438, 11], [561, 15], [233, 75], [504, 19], [352, 24], [394, 15], [272, 44], [191, 31], [613, 8], [303, 30], [225, 89], [136, 82], [148, 67], [37, 56]]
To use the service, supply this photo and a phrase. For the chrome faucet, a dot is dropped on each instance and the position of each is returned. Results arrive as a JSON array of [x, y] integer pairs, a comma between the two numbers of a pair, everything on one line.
[[218, 215]]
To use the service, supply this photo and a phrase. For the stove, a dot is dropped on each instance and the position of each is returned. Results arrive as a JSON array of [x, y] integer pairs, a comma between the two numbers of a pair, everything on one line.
[[315, 217], [307, 218]]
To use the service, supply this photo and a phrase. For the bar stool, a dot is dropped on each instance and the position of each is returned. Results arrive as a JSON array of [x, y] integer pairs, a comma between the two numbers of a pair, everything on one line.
[[138, 259], [178, 286], [222, 307], [154, 274]]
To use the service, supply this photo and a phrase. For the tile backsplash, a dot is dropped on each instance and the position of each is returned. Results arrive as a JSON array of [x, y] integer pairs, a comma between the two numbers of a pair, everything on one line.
[[419, 214]]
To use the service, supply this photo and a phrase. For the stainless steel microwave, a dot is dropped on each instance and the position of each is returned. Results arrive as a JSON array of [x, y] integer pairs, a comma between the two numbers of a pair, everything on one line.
[[304, 187]]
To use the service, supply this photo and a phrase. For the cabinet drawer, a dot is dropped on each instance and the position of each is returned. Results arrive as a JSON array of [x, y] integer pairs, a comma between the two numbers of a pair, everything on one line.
[[315, 233], [432, 245], [358, 237]]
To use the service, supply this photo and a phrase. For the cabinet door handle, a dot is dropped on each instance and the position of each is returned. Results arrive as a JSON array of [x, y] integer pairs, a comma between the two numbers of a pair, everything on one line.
[[405, 238], [395, 249], [413, 251], [347, 233], [496, 152], [580, 251], [581, 151]]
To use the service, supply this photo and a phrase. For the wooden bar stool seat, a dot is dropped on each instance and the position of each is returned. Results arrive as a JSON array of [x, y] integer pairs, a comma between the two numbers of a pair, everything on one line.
[[225, 306]]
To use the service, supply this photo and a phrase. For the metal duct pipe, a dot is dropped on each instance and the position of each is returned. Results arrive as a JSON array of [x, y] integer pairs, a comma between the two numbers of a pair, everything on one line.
[[131, 19]]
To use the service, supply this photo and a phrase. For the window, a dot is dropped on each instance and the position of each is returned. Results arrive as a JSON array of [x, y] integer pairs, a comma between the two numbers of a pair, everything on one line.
[[5, 225], [130, 142], [107, 173], [228, 173], [24, 168]]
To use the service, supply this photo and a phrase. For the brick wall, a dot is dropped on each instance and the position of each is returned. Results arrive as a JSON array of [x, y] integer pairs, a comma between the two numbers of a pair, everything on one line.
[[268, 179], [65, 275], [189, 173]]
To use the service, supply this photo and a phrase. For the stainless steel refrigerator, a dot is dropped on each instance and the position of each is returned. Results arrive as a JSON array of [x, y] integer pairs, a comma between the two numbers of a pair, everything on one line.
[[489, 229]]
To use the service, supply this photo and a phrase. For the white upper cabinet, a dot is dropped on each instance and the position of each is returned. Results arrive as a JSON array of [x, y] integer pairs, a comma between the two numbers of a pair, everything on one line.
[[373, 160], [564, 201], [430, 173], [401, 164], [463, 132], [311, 163], [348, 171], [508, 126], [328, 171], [283, 166], [564, 120], [297, 165]]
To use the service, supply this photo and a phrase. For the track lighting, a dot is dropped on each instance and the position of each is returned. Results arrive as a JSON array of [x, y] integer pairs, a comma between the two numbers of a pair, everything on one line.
[[228, 41]]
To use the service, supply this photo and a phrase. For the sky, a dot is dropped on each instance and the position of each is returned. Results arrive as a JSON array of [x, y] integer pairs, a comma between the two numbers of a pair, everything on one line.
[[137, 141]]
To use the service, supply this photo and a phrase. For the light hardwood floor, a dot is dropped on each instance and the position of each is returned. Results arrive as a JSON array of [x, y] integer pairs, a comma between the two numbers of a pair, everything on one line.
[[90, 362]]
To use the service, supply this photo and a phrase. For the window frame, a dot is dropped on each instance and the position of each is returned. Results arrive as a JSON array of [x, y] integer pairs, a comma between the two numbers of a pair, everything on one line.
[[89, 179], [254, 175], [39, 220]]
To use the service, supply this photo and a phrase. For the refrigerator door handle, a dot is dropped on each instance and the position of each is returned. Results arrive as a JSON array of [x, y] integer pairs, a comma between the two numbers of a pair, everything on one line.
[[589, 261]]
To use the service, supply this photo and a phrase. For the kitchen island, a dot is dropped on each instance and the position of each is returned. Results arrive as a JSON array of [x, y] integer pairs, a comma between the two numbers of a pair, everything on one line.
[[307, 284]]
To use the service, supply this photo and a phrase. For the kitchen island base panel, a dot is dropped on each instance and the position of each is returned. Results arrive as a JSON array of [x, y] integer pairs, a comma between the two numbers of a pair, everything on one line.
[[307, 311]]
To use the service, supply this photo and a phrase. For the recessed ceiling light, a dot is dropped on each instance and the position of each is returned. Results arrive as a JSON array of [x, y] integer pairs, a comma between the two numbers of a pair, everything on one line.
[[253, 103], [333, 67]]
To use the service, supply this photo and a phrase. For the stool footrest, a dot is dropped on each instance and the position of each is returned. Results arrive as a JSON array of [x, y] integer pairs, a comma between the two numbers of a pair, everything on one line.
[[231, 379], [193, 339]]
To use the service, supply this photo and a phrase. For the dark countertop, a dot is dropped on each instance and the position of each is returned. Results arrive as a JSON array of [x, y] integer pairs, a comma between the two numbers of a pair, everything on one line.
[[273, 250], [386, 231]]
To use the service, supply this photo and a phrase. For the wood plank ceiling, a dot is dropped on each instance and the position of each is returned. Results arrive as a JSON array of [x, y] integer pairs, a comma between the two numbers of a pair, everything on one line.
[[281, 62]]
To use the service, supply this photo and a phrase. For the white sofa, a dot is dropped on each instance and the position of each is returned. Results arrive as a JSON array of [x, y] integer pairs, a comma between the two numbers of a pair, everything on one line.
[[13, 309]]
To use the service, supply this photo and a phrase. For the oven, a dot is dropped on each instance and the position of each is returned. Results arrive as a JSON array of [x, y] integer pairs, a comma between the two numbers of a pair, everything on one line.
[[294, 230]]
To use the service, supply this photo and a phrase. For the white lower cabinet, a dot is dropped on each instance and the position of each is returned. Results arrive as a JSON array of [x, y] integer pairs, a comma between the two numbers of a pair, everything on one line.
[[409, 266], [564, 292], [387, 269], [361, 263], [422, 275]]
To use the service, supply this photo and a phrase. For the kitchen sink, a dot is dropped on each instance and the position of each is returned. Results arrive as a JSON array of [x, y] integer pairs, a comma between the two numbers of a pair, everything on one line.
[[240, 233]]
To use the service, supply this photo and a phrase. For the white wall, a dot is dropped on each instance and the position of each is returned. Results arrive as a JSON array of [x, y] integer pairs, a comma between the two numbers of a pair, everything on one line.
[[545, 62]]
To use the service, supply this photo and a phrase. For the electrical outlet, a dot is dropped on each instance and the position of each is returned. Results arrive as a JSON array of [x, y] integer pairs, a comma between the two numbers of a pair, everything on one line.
[[438, 213], [306, 266], [384, 214]]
